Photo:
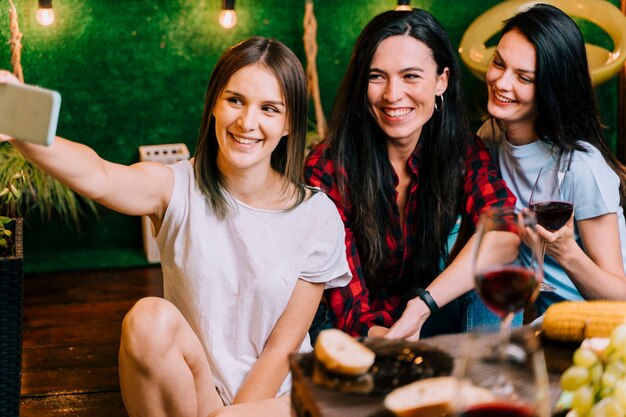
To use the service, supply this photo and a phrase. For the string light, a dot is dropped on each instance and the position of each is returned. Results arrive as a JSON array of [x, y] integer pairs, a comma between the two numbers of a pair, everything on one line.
[[45, 14], [404, 5], [228, 15]]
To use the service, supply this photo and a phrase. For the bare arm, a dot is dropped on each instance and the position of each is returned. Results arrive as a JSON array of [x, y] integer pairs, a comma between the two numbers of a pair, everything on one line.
[[270, 370], [597, 271], [142, 188], [453, 282]]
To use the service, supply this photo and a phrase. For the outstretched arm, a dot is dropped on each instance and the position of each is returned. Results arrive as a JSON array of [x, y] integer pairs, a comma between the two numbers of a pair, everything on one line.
[[270, 370], [143, 188]]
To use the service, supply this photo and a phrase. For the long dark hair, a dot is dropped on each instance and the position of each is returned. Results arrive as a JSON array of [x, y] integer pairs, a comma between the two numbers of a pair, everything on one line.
[[358, 145], [288, 157], [567, 109]]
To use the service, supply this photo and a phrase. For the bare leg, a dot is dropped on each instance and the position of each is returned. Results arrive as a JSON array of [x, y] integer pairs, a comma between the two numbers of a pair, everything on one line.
[[163, 367], [274, 407]]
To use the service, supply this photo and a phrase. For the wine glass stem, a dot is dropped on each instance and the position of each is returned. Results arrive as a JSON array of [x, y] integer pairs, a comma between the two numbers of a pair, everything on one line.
[[504, 386], [544, 286]]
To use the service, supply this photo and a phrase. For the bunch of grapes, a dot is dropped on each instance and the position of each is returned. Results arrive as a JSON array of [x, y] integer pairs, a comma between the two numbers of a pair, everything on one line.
[[597, 380]]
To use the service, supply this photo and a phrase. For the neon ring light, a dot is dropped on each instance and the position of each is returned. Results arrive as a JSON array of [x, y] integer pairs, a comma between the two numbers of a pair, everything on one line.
[[603, 64]]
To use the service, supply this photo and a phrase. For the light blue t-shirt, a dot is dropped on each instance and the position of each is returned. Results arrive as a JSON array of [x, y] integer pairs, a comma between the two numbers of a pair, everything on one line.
[[596, 192]]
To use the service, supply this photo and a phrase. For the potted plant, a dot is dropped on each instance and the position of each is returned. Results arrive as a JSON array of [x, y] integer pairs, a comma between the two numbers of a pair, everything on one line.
[[23, 189], [11, 286], [7, 234]]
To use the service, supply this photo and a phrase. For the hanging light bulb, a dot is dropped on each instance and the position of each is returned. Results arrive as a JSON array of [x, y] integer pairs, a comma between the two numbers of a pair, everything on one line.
[[45, 14], [404, 5], [228, 15]]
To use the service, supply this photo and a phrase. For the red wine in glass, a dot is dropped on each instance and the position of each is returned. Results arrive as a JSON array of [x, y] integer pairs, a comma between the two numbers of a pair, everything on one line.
[[502, 281], [552, 215], [552, 202], [529, 394], [507, 289], [498, 409]]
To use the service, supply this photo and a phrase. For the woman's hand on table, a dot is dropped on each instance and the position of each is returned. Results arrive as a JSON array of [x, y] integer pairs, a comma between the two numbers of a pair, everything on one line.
[[377, 331], [408, 327]]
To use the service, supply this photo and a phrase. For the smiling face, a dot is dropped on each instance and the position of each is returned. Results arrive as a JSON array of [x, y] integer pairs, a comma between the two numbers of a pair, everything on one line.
[[403, 83], [511, 85], [250, 119]]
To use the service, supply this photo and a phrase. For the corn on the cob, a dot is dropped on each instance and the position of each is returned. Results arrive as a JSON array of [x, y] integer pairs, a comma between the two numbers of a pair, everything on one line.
[[574, 321]]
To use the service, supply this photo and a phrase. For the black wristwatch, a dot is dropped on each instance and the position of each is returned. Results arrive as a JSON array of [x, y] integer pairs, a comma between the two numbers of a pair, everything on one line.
[[428, 299]]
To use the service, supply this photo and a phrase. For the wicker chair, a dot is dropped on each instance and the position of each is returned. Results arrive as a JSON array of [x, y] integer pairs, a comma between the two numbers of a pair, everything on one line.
[[11, 303]]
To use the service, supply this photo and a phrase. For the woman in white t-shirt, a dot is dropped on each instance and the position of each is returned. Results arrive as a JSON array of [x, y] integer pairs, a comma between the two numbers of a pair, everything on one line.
[[246, 248], [544, 110]]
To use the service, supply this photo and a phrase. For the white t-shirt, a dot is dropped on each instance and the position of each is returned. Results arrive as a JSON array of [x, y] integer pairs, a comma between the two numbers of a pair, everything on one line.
[[596, 192], [232, 278]]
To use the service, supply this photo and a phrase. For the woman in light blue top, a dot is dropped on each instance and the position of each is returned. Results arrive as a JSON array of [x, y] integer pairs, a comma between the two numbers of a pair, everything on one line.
[[544, 110]]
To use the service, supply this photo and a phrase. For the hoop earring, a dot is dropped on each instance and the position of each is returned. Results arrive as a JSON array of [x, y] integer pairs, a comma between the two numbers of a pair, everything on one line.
[[439, 108]]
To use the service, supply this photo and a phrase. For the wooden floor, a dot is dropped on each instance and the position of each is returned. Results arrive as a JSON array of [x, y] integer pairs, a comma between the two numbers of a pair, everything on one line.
[[71, 339]]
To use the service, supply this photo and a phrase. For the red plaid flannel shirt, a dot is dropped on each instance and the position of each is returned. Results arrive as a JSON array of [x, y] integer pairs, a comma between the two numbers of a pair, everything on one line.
[[354, 308]]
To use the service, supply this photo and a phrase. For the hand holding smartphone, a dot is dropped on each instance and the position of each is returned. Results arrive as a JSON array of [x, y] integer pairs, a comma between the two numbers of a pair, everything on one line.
[[29, 113]]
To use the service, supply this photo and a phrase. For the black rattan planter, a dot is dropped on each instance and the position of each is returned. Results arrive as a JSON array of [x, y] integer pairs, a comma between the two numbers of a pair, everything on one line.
[[11, 304]]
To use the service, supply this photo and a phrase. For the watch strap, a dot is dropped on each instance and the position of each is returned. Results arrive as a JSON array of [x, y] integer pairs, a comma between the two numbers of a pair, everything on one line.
[[428, 299]]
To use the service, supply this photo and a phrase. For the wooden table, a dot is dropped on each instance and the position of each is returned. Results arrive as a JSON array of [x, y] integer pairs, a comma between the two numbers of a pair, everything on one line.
[[310, 400]]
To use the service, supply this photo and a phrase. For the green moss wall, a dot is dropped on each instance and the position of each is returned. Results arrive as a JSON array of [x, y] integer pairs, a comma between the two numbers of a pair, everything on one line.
[[134, 73]]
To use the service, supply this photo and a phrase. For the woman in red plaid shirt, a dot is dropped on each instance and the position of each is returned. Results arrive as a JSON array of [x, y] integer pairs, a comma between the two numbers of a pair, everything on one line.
[[403, 168]]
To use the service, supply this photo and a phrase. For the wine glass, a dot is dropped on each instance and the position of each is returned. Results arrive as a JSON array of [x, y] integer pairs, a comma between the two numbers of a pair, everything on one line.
[[552, 201], [506, 281], [478, 367]]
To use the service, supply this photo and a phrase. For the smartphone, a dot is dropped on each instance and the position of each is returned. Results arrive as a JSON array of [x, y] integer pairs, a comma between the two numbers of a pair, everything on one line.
[[29, 113]]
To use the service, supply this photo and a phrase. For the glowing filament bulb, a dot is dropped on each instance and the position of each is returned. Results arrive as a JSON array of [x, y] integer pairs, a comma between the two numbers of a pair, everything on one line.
[[404, 5], [228, 18], [45, 14]]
